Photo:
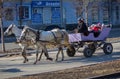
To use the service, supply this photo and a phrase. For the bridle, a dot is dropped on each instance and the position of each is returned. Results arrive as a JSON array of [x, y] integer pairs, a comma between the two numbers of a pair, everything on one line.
[[10, 29], [25, 31]]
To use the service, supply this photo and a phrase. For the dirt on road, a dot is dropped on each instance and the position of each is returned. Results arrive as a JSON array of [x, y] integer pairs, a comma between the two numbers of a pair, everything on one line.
[[82, 72]]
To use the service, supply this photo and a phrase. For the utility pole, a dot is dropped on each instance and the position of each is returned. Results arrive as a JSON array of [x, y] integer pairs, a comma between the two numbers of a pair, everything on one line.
[[61, 13], [85, 4], [20, 12], [1, 25], [109, 10]]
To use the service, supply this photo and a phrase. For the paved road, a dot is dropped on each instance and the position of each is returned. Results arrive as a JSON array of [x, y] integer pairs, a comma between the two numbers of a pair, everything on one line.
[[13, 66]]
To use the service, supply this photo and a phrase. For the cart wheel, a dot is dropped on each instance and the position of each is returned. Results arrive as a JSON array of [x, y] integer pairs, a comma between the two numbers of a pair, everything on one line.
[[88, 52], [92, 47], [71, 51], [107, 48]]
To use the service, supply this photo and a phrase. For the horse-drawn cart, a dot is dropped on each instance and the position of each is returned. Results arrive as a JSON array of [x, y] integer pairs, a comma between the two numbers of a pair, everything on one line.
[[90, 43]]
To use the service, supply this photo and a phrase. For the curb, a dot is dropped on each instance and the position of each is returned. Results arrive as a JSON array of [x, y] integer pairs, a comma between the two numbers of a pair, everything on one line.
[[28, 53], [15, 53]]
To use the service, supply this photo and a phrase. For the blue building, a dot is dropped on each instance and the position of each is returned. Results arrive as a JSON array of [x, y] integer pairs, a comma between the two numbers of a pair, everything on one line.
[[99, 11], [37, 13]]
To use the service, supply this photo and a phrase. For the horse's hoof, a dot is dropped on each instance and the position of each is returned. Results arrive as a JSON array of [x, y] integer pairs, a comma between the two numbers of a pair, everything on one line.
[[27, 60], [50, 59], [62, 60], [56, 60], [24, 61], [38, 59], [34, 63]]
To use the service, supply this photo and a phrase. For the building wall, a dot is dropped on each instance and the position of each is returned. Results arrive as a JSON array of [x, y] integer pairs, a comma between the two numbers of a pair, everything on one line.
[[101, 11], [45, 12], [69, 11], [116, 13], [97, 12], [11, 12]]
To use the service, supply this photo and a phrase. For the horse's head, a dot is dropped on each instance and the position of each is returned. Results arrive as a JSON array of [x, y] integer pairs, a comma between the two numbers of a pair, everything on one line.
[[23, 34], [27, 34], [9, 30]]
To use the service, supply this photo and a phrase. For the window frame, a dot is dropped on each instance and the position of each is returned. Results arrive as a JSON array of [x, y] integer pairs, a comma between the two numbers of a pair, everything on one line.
[[94, 14], [38, 11], [53, 17], [117, 12], [105, 14], [29, 12]]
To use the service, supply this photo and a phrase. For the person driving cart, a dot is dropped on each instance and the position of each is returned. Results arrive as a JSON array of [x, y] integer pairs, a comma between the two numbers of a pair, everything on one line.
[[82, 27]]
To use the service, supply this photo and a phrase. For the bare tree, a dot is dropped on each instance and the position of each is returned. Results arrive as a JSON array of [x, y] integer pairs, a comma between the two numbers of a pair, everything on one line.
[[79, 7], [82, 7], [1, 25]]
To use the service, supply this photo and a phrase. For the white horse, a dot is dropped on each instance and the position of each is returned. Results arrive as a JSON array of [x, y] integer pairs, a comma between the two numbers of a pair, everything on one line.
[[24, 44], [55, 37]]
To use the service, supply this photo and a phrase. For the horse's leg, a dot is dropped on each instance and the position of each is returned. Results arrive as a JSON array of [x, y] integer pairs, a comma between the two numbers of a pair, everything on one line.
[[57, 54], [62, 54], [40, 56], [46, 54], [37, 52], [24, 55]]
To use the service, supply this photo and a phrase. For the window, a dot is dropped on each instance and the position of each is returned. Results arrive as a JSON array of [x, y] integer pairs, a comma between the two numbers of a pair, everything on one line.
[[56, 18], [105, 14], [91, 0], [79, 11], [24, 12], [9, 14], [46, 15], [117, 13], [94, 14], [37, 14], [104, 0], [114, 0]]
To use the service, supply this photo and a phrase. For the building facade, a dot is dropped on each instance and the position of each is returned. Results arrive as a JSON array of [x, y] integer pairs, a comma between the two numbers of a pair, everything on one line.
[[99, 11], [36, 13]]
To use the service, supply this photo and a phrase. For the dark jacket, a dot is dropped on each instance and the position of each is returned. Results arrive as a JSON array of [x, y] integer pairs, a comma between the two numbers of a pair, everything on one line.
[[82, 28]]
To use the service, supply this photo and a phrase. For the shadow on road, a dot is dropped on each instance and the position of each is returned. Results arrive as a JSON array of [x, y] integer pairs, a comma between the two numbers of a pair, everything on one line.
[[12, 70]]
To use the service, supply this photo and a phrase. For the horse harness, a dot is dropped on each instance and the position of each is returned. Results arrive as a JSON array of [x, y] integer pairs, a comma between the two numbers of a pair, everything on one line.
[[38, 35], [10, 29], [56, 36]]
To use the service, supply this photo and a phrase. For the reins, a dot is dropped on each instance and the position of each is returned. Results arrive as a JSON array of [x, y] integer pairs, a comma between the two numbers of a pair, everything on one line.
[[54, 36]]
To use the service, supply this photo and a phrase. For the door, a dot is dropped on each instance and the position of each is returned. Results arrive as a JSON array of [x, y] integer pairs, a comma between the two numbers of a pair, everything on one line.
[[46, 15]]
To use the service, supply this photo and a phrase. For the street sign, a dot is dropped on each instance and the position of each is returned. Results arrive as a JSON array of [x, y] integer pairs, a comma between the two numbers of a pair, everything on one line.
[[46, 3]]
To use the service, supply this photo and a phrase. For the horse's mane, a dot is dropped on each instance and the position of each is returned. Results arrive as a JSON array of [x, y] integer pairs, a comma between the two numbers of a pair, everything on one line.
[[14, 26], [31, 29], [55, 29]]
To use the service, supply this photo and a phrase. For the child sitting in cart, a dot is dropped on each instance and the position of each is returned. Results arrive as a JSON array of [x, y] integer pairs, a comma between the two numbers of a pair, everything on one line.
[[96, 29]]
